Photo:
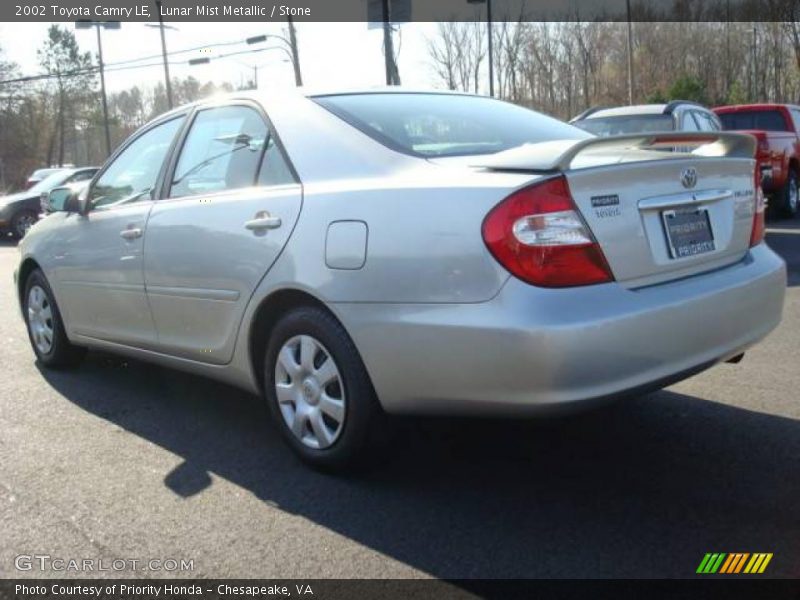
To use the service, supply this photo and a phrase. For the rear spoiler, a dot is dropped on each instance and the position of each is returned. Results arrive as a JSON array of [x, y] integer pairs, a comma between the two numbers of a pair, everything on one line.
[[562, 155]]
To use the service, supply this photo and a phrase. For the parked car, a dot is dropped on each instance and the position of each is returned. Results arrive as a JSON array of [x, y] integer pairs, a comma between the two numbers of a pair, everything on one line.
[[776, 128], [40, 174], [353, 254], [679, 115], [19, 212]]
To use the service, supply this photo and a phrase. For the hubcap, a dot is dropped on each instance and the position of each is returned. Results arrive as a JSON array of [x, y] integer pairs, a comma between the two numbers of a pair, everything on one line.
[[24, 223], [793, 194], [310, 392], [40, 319]]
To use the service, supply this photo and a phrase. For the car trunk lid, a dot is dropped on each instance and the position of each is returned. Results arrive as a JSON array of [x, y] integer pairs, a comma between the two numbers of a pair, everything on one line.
[[662, 207]]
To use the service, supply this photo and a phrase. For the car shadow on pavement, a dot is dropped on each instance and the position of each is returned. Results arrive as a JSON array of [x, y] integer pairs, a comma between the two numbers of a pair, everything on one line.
[[642, 488], [783, 236]]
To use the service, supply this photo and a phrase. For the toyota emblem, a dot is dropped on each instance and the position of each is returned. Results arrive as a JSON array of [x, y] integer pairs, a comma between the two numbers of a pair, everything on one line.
[[689, 177]]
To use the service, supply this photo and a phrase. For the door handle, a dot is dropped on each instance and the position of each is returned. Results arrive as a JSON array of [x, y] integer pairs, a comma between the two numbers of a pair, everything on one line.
[[263, 220], [131, 233]]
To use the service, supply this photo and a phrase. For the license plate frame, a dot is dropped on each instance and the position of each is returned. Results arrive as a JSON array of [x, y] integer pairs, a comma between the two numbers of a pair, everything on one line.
[[688, 232]]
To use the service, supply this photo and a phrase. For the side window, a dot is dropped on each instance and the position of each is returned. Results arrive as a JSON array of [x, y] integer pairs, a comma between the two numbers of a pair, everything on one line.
[[689, 123], [704, 121], [221, 152], [274, 170], [796, 118], [133, 174]]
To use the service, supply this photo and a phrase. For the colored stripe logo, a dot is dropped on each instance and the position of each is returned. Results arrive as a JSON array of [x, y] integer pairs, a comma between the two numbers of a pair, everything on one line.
[[736, 562]]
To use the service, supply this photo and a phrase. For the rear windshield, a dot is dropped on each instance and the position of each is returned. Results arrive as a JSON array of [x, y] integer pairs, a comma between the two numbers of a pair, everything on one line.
[[446, 124], [621, 125], [767, 120]]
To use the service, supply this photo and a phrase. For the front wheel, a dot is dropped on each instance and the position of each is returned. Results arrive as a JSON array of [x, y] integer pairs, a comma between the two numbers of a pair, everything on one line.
[[45, 327], [789, 196], [319, 391]]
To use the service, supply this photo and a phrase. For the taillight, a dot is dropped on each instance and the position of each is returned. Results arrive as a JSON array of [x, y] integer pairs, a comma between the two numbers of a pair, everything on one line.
[[757, 233], [537, 234]]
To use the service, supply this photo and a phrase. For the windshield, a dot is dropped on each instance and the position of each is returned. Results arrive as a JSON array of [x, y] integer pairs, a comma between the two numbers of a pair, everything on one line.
[[49, 182], [605, 126], [446, 124], [766, 120]]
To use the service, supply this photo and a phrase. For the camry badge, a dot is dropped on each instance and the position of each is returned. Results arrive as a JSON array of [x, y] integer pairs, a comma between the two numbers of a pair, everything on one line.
[[689, 177]]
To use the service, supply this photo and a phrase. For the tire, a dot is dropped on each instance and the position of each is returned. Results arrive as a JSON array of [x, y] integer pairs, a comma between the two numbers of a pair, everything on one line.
[[42, 317], [22, 222], [789, 198], [306, 402]]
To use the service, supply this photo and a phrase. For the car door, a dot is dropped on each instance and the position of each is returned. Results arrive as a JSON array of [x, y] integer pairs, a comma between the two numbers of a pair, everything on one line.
[[230, 204], [99, 265]]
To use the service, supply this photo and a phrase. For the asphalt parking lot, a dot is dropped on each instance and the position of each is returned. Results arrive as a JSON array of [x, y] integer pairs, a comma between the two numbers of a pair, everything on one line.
[[123, 460]]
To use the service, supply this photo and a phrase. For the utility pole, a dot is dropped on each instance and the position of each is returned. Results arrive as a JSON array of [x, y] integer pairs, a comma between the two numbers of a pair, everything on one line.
[[298, 78], [630, 53], [392, 76], [167, 81], [755, 64], [491, 46], [491, 40]]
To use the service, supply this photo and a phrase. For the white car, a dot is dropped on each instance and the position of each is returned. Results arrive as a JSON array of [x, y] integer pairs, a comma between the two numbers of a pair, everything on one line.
[[678, 115], [353, 254]]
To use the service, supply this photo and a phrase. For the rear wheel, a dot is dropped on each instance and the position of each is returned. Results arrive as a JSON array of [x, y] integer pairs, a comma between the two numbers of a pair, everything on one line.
[[318, 390], [45, 327], [789, 196], [22, 222]]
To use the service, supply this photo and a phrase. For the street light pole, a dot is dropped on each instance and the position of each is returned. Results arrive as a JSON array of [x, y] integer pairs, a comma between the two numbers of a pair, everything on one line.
[[298, 78], [87, 24], [103, 88]]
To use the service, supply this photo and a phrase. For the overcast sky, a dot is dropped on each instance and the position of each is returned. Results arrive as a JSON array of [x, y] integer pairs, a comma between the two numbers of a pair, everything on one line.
[[331, 54]]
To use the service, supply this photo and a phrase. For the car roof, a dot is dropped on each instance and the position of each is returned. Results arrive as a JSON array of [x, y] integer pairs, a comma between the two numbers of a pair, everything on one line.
[[286, 94], [48, 171], [660, 108], [758, 106]]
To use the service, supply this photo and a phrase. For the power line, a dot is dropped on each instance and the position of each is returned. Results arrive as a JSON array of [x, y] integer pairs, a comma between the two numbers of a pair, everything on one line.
[[124, 65]]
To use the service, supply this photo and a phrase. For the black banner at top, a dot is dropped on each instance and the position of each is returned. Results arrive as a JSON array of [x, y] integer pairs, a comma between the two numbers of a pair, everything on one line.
[[399, 10]]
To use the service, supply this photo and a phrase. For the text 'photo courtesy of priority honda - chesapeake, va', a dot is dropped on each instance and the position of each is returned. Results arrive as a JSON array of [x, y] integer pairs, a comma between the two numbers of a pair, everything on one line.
[[336, 299]]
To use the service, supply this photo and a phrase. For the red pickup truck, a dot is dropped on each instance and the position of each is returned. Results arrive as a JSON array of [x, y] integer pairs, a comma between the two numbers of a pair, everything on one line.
[[776, 128]]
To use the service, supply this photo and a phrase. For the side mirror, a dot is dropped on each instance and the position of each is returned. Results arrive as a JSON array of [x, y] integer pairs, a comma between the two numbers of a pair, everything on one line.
[[61, 199]]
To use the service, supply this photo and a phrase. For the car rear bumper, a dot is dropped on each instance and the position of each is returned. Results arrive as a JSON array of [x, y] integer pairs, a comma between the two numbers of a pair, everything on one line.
[[532, 350]]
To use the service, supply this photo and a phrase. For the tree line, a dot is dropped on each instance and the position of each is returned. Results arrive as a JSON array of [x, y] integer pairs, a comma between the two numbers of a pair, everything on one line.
[[560, 68], [563, 68], [58, 120]]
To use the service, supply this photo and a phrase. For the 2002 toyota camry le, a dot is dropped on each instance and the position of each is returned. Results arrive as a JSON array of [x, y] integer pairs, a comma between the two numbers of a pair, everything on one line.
[[354, 254]]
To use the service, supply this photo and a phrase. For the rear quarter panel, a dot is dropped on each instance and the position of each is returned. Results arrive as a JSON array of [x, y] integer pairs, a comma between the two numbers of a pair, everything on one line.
[[423, 243]]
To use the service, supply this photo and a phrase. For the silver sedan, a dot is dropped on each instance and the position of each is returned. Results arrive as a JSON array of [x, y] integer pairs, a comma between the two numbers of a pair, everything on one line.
[[353, 254]]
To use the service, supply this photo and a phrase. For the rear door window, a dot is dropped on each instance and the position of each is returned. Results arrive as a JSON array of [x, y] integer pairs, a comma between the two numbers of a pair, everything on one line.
[[222, 151]]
